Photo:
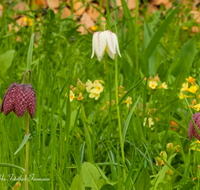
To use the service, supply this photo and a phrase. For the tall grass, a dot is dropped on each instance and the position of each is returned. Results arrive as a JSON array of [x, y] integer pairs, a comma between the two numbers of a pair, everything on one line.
[[66, 135]]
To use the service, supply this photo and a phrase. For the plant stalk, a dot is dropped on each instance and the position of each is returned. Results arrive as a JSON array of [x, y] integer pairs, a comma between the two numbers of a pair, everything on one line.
[[27, 151], [118, 116], [27, 133], [87, 133]]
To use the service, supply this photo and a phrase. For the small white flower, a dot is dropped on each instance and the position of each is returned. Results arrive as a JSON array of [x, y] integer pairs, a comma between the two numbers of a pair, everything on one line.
[[94, 94], [71, 96], [128, 101], [89, 85], [153, 84], [150, 121], [102, 41]]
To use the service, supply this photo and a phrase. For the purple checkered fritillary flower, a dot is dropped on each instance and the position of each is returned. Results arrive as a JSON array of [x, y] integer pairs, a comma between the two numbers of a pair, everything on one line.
[[192, 130], [19, 98]]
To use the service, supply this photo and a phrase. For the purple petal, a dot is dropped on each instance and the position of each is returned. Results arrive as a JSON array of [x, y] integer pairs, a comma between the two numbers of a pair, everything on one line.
[[21, 100], [9, 98], [32, 101], [191, 129]]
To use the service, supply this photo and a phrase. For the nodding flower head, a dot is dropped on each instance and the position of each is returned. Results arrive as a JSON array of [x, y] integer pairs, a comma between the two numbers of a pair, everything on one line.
[[192, 130], [105, 41], [19, 98]]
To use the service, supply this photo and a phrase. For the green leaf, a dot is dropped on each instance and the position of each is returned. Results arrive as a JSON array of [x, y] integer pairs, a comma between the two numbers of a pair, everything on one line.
[[143, 182], [129, 19], [188, 186], [77, 183], [91, 176], [5, 62], [157, 36], [12, 166], [108, 187], [130, 89], [128, 120], [23, 143], [59, 179], [30, 51], [180, 68], [159, 177]]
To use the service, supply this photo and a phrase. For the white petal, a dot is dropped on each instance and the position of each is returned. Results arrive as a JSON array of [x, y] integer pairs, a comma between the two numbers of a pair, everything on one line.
[[110, 40], [94, 41], [100, 45], [116, 44], [91, 95], [111, 54]]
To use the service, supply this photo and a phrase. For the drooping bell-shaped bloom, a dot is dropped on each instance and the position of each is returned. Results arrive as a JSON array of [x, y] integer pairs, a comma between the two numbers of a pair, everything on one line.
[[105, 41], [19, 98], [192, 130]]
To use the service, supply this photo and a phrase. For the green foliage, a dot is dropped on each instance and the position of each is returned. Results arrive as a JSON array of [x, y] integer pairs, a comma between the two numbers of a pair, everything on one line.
[[89, 177], [143, 182], [76, 145], [5, 62]]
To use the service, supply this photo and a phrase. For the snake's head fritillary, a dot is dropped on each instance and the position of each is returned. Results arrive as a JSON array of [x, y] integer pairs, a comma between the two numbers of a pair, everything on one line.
[[19, 98], [192, 130], [105, 42]]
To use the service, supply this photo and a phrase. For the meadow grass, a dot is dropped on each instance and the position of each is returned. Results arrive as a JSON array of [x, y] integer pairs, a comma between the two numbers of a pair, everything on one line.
[[77, 145]]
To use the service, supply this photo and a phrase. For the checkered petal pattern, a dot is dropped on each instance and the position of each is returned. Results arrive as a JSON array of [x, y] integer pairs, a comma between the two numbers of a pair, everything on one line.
[[18, 98], [31, 101], [9, 98], [192, 130]]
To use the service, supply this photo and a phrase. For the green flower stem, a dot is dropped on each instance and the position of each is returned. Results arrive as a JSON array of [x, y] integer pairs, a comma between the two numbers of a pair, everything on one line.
[[118, 115], [107, 89], [27, 151], [87, 133], [100, 23], [27, 133], [135, 40]]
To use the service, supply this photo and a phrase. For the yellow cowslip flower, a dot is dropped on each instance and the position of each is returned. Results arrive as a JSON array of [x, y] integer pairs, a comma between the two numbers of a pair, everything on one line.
[[94, 95], [89, 85], [150, 121], [196, 107], [156, 78], [184, 27], [94, 89], [28, 21], [163, 85], [182, 97], [153, 84], [192, 89], [195, 145], [191, 80], [194, 102], [94, 28], [128, 101], [80, 97], [71, 96], [17, 186], [25, 19], [98, 88], [185, 87]]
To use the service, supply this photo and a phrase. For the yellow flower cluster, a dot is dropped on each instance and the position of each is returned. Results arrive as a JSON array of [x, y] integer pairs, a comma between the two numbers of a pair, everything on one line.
[[94, 88], [195, 146], [29, 21], [153, 83], [150, 122], [193, 89], [170, 149], [76, 90]]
